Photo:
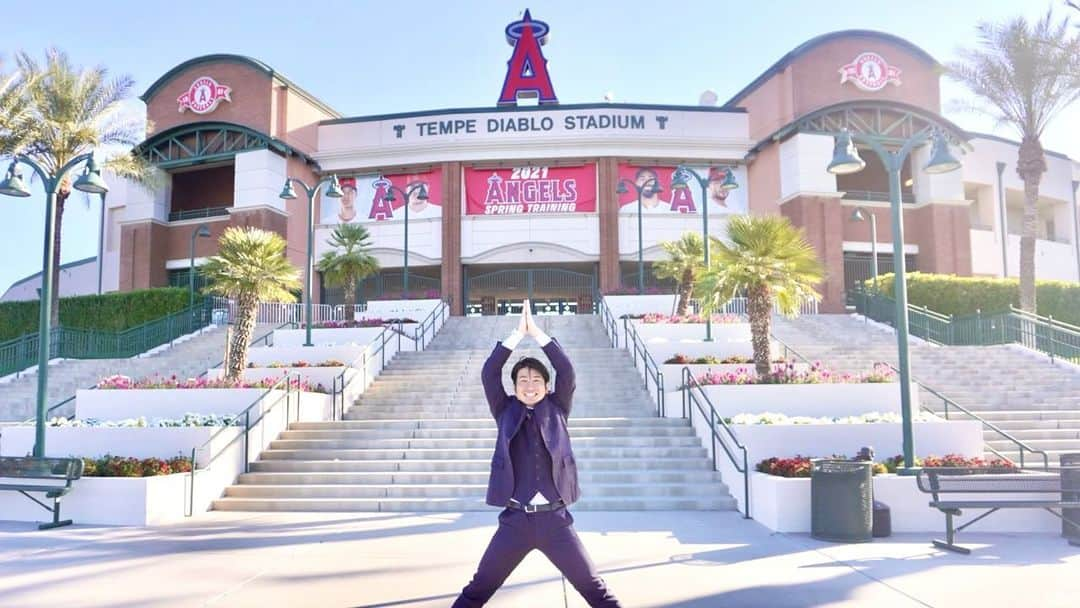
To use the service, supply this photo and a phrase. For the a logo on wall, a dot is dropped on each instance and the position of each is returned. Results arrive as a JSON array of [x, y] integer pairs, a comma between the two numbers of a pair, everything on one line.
[[870, 72], [203, 96], [526, 72]]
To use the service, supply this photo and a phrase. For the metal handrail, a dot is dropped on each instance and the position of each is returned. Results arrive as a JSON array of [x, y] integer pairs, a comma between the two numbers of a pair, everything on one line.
[[362, 360], [609, 323], [789, 349], [288, 380], [190, 214], [637, 345], [986, 423], [421, 331], [689, 383]]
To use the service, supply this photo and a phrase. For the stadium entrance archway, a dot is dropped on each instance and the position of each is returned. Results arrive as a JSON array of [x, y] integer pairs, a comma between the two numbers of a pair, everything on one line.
[[498, 289]]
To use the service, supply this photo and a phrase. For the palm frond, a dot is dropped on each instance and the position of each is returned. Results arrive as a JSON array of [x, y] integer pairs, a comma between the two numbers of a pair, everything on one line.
[[350, 259], [251, 261]]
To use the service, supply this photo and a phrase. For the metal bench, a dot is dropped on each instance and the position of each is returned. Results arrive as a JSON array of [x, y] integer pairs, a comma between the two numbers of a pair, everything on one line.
[[954, 489], [41, 469]]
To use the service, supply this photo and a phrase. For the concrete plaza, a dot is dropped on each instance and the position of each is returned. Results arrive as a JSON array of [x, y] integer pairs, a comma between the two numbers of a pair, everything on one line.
[[670, 559]]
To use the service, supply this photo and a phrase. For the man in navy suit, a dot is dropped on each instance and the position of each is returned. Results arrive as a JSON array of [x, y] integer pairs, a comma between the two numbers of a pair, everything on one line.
[[533, 473]]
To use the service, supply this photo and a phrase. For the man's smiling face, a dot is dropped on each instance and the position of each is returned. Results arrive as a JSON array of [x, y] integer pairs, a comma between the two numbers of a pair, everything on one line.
[[529, 386]]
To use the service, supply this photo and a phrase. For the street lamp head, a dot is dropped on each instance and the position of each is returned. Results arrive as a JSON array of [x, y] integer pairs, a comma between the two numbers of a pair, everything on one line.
[[679, 180], [203, 231], [13, 184], [91, 181], [621, 188], [941, 159], [845, 156], [333, 189], [729, 182], [654, 189], [423, 193], [389, 196], [287, 191], [858, 215]]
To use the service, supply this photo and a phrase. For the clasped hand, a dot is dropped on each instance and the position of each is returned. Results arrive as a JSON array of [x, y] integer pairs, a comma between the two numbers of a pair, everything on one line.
[[527, 325]]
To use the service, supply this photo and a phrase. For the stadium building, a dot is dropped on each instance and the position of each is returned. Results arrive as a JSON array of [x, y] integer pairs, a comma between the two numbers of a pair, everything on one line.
[[524, 200]]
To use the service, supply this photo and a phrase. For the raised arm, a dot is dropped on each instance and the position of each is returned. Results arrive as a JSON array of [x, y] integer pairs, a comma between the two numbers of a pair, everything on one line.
[[491, 375], [565, 378]]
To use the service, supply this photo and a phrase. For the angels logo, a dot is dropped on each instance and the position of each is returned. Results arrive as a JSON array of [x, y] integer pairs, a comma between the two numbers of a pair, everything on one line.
[[526, 72], [204, 95], [870, 72]]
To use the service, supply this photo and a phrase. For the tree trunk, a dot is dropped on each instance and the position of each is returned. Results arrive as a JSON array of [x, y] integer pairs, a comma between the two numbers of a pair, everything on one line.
[[350, 297], [247, 309], [759, 308], [1030, 167], [61, 198], [686, 291]]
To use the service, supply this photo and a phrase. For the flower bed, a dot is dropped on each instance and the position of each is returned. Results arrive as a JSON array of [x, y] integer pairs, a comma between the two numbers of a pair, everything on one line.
[[277, 364], [262, 355], [361, 322], [174, 403], [652, 318], [799, 466], [332, 336], [118, 466], [188, 420], [789, 374], [868, 418], [681, 359], [83, 437], [119, 382]]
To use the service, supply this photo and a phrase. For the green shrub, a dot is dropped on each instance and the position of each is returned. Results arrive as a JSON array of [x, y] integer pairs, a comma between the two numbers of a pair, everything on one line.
[[960, 296], [106, 312]]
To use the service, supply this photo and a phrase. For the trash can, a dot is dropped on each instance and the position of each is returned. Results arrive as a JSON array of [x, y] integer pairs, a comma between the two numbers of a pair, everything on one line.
[[882, 520], [1070, 490], [841, 501]]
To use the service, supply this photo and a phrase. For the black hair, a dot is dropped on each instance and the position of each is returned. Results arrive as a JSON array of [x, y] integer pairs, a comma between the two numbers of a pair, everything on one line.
[[646, 170], [529, 363]]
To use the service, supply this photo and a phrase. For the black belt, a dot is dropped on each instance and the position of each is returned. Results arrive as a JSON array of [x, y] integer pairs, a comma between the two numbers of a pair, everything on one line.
[[513, 504]]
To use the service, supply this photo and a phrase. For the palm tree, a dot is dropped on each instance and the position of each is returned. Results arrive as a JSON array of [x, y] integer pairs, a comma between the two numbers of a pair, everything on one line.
[[13, 113], [682, 266], [71, 111], [250, 267], [1024, 74], [350, 260], [771, 261]]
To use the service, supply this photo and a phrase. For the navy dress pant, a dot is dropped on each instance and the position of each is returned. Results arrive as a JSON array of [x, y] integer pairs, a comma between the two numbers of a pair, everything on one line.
[[552, 532]]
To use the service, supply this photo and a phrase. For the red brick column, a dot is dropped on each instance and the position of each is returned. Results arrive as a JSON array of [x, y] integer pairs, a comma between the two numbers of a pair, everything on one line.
[[451, 237]]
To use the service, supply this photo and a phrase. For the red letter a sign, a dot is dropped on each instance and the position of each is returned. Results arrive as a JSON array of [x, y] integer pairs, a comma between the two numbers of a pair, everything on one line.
[[526, 72]]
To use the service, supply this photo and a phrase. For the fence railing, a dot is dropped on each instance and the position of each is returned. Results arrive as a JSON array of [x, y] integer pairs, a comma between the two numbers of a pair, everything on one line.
[[651, 370], [690, 400], [75, 343], [290, 384], [738, 306], [611, 327], [1044, 334], [191, 214]]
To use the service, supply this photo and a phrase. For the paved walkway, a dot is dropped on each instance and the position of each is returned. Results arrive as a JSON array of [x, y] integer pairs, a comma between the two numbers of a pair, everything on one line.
[[680, 560]]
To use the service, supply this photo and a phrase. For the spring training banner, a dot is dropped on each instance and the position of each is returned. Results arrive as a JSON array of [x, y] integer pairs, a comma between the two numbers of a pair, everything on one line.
[[530, 190], [688, 200], [363, 198]]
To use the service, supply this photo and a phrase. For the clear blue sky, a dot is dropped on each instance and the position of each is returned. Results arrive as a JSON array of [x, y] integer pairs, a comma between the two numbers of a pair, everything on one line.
[[376, 57]]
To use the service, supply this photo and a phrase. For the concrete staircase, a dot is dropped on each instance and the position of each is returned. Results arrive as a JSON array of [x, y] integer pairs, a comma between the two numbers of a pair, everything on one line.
[[1016, 389], [190, 357], [421, 438]]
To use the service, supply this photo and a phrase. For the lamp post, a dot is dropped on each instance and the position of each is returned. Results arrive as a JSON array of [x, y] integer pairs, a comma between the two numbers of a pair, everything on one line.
[[333, 190], [859, 216], [681, 180], [846, 160], [203, 231], [651, 187], [13, 185], [421, 194]]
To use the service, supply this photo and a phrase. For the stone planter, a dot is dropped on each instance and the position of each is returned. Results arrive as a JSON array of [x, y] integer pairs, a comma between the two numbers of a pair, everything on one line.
[[113, 501], [783, 505], [346, 353], [808, 399], [174, 403], [94, 442]]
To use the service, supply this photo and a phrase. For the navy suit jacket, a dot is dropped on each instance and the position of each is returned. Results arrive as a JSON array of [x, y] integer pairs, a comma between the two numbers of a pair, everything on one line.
[[551, 412]]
